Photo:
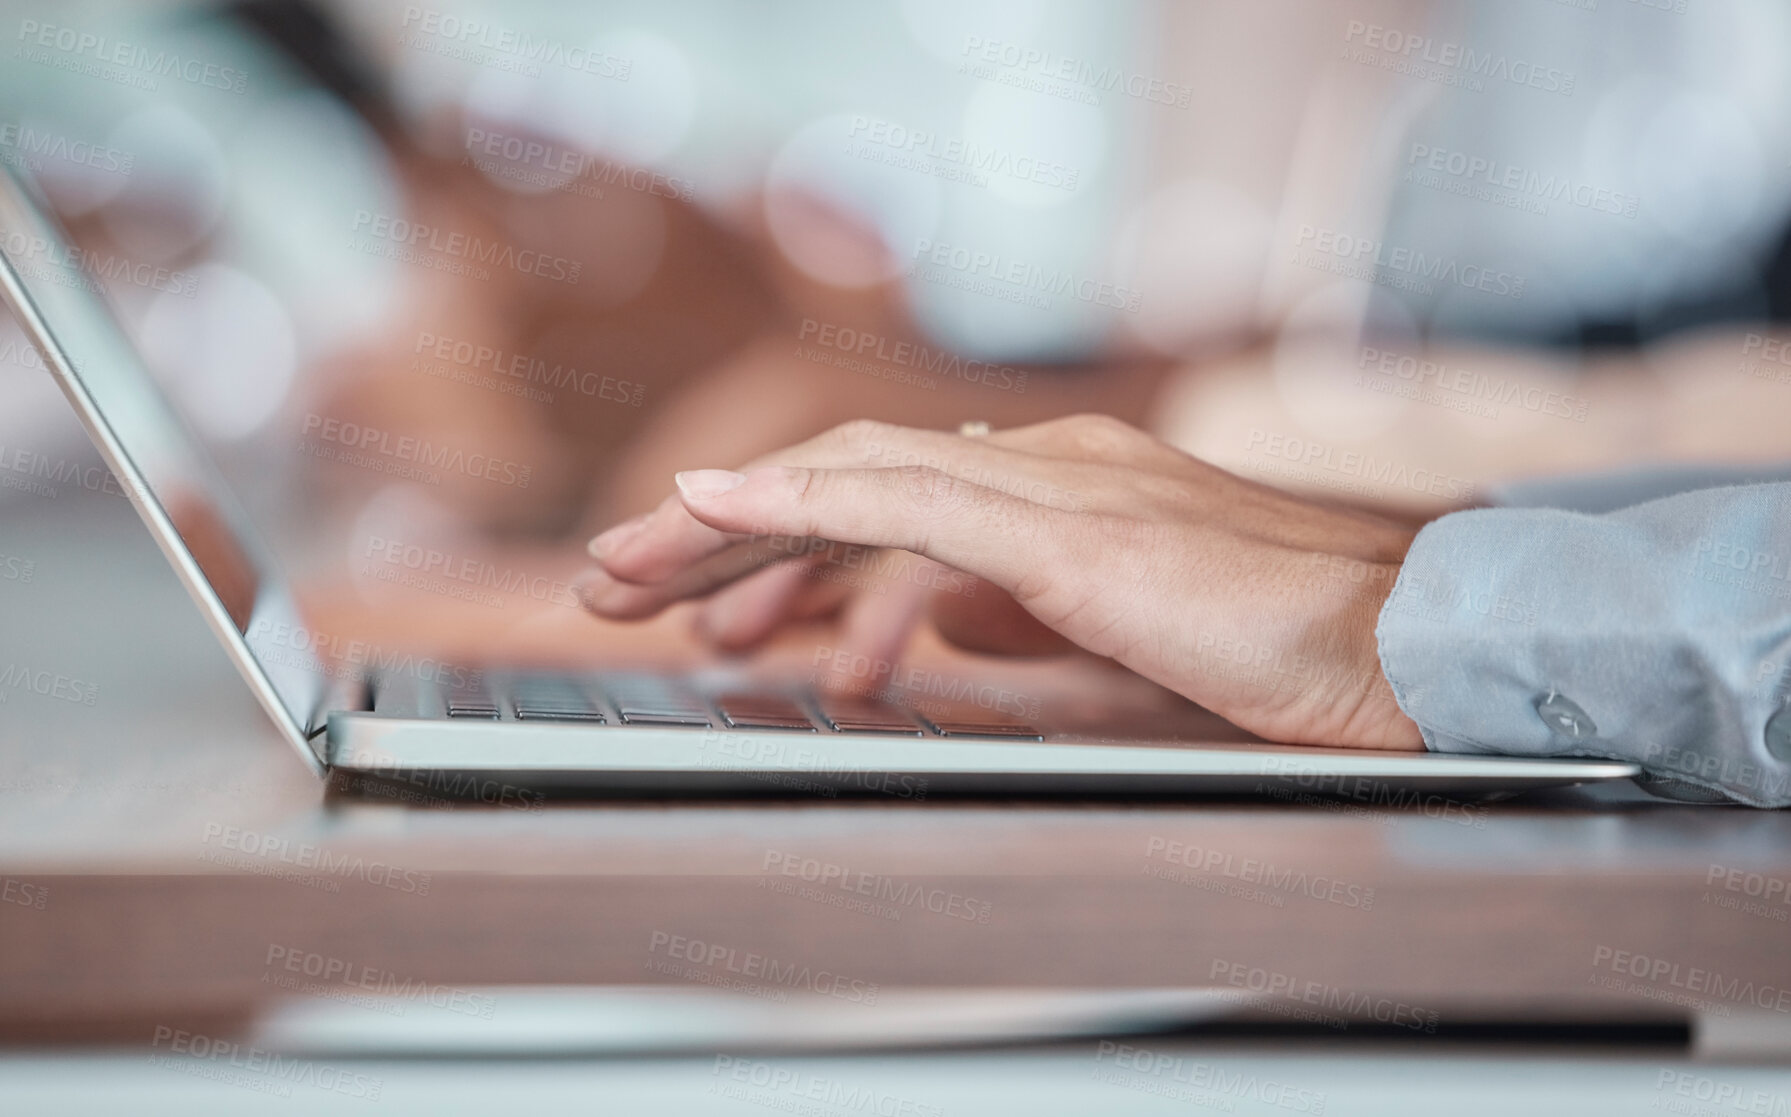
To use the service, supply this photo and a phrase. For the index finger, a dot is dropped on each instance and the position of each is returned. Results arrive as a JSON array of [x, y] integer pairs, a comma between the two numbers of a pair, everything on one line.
[[1012, 542], [654, 548]]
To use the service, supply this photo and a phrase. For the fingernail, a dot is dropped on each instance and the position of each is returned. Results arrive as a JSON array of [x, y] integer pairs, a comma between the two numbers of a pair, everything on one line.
[[587, 585], [706, 484], [611, 541], [601, 594]]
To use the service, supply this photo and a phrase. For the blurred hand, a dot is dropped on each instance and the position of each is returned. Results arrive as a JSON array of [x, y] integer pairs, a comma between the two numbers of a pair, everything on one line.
[[1082, 531]]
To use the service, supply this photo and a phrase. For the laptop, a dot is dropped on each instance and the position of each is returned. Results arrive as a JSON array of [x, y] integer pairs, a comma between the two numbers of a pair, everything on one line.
[[632, 731]]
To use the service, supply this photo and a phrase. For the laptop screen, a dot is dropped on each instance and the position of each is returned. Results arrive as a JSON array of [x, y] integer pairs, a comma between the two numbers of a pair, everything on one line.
[[56, 291]]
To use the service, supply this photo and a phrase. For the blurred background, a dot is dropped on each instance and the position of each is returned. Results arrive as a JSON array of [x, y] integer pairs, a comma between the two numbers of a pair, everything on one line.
[[477, 278], [480, 277]]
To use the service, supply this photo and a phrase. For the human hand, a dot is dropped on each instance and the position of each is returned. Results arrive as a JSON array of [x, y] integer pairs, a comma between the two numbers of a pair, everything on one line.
[[1259, 605]]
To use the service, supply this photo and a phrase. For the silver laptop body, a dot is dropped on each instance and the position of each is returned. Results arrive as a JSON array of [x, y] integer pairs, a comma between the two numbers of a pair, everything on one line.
[[513, 736]]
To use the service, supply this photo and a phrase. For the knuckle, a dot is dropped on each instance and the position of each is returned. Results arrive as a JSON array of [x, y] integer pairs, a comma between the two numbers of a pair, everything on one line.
[[930, 490], [1154, 491], [859, 436], [1034, 584], [805, 485], [1102, 434]]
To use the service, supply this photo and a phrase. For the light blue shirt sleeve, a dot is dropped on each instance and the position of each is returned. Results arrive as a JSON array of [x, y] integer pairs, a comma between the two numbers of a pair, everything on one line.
[[1658, 633]]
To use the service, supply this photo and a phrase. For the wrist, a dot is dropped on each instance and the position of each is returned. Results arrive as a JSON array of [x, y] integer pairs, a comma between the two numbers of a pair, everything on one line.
[[1382, 724], [1337, 693], [1367, 714]]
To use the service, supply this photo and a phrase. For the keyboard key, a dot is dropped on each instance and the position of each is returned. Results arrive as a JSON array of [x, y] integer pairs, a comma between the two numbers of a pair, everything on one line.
[[587, 717], [652, 717], [1011, 731], [471, 702], [645, 701], [858, 715], [906, 728], [762, 711], [549, 698]]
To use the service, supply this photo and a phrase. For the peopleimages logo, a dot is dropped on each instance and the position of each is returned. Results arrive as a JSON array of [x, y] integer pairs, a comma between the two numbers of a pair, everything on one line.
[[832, 876], [466, 362], [973, 158], [1766, 564], [1681, 981], [1771, 352], [25, 894], [732, 965], [800, 767], [417, 236], [1350, 1003], [416, 451], [47, 684], [1263, 665], [1498, 390], [1398, 267], [351, 658], [32, 472], [1767, 573], [17, 351], [1021, 276], [309, 856], [919, 682], [1252, 870], [521, 52], [16, 569], [472, 572], [75, 45], [1026, 488], [1749, 893], [1035, 69], [1353, 463], [1448, 62], [1723, 771], [30, 146], [1709, 1097], [876, 562], [379, 983], [1291, 774], [912, 355], [253, 1067], [1203, 1083], [807, 1094], [68, 266], [1463, 172], [1441, 597], [539, 163]]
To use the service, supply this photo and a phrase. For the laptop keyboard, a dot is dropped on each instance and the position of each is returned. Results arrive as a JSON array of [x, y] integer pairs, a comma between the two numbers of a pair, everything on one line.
[[646, 700]]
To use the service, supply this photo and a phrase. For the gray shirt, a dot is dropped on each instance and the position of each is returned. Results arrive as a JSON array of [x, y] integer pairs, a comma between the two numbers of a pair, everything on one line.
[[1657, 633]]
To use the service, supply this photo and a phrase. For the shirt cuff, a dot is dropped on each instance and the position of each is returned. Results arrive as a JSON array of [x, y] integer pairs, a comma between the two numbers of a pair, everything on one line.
[[1547, 633]]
